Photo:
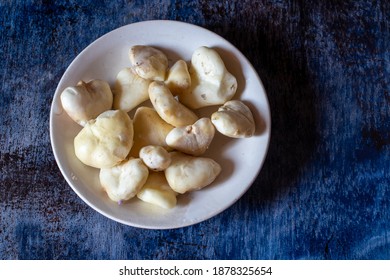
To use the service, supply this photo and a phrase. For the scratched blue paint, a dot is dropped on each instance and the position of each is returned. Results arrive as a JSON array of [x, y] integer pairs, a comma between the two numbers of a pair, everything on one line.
[[324, 190]]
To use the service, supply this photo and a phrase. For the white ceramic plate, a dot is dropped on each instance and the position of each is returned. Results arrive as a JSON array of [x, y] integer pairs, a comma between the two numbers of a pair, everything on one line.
[[241, 159]]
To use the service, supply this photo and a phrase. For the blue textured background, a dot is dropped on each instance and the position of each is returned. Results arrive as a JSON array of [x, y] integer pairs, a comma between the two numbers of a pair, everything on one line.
[[324, 190]]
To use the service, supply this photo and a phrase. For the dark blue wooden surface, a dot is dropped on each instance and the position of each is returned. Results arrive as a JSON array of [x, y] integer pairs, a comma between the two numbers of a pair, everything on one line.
[[324, 190]]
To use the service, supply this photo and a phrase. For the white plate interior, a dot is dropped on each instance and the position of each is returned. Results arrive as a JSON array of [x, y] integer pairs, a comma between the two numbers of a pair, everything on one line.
[[241, 159]]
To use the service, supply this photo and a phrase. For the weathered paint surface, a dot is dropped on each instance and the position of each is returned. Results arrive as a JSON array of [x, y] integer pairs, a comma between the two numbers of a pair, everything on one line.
[[324, 191]]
